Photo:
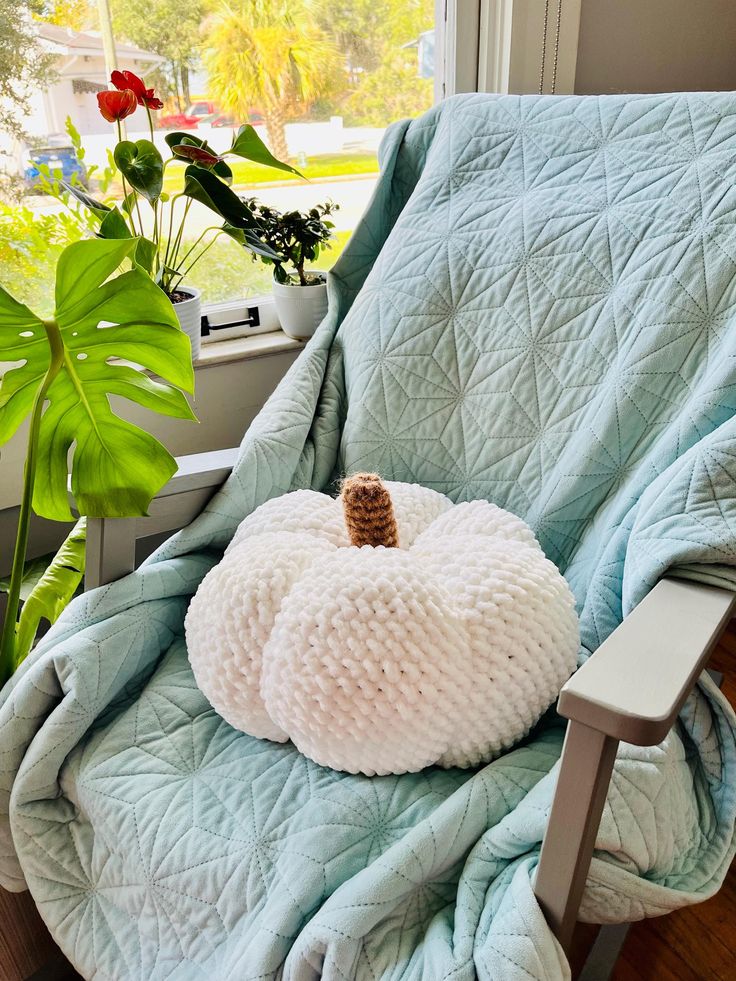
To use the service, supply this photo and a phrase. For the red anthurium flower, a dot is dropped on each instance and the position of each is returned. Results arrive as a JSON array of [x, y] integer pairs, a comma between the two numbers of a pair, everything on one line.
[[145, 97], [197, 154], [117, 105]]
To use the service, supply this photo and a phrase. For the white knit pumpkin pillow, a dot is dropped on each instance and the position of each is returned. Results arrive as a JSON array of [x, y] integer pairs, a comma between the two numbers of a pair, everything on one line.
[[380, 659]]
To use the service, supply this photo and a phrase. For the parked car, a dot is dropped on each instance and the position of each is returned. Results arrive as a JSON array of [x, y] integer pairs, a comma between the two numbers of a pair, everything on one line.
[[255, 118], [195, 114], [207, 112], [177, 120], [222, 119], [58, 154], [202, 109]]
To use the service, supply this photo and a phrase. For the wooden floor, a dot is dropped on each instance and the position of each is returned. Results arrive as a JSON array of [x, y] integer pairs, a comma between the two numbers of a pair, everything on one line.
[[697, 943]]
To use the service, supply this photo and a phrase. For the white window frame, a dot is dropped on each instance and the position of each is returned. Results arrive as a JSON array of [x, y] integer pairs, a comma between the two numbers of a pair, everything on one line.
[[457, 36], [496, 46], [480, 46]]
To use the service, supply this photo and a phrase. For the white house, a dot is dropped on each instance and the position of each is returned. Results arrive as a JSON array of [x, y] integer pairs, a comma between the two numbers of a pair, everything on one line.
[[79, 64]]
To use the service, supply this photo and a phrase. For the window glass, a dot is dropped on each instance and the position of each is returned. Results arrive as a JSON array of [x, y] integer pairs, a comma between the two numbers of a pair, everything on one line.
[[319, 80]]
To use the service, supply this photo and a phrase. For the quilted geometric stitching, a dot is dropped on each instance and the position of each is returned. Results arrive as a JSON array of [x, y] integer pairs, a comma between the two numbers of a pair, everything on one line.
[[537, 309]]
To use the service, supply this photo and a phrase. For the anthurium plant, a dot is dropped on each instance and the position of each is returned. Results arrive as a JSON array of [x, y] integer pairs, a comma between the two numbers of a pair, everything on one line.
[[62, 386], [293, 238], [147, 213]]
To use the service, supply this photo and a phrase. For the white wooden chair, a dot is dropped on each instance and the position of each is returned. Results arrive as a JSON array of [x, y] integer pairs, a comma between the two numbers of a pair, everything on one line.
[[631, 690]]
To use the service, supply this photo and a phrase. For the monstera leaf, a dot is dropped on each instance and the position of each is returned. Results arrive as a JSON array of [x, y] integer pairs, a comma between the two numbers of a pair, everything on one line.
[[142, 166], [66, 365], [54, 588]]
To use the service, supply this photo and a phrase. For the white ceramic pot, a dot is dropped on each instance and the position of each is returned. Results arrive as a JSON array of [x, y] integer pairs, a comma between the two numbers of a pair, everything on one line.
[[189, 313], [300, 308]]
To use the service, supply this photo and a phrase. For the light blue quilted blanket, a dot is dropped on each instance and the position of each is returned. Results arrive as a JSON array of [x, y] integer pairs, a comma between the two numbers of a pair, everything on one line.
[[538, 309]]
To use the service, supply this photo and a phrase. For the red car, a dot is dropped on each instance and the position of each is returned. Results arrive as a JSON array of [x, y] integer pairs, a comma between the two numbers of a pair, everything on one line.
[[204, 112], [195, 114]]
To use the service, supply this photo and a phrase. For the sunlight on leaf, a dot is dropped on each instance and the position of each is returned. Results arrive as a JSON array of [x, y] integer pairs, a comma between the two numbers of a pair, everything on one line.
[[117, 468], [142, 166], [249, 145]]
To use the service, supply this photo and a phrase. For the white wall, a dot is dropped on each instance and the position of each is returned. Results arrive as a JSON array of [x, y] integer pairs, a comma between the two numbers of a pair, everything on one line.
[[48, 110]]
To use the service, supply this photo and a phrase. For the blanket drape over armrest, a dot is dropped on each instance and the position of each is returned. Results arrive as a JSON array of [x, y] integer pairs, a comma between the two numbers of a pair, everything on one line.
[[537, 309]]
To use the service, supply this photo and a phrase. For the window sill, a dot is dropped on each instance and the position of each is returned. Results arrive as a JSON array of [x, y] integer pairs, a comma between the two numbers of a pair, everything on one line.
[[246, 348]]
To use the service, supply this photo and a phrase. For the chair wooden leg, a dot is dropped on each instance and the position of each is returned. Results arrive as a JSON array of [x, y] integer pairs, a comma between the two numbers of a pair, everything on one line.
[[581, 945], [604, 953], [26, 946], [585, 773]]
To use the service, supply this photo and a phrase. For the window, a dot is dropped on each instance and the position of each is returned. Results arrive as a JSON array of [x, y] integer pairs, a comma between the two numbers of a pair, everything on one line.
[[318, 79]]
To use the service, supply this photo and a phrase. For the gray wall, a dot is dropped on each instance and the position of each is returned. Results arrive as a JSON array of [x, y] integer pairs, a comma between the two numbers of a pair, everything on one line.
[[656, 46]]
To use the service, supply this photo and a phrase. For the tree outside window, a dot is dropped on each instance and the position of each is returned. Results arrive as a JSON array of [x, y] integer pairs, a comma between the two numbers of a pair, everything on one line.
[[319, 79]]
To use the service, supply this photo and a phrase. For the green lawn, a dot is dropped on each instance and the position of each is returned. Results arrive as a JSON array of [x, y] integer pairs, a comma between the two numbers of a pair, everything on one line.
[[226, 270], [246, 174], [30, 245]]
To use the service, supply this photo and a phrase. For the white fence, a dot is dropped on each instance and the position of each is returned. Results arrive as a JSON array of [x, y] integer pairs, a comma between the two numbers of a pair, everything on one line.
[[310, 139]]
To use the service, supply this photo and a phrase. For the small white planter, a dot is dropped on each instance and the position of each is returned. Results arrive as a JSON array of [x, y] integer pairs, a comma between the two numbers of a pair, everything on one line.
[[300, 308], [189, 314]]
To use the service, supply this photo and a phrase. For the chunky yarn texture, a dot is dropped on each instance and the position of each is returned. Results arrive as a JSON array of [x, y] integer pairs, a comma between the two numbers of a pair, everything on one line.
[[369, 513], [445, 647]]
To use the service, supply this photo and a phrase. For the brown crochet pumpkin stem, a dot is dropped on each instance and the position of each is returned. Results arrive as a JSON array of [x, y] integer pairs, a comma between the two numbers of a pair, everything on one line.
[[369, 513]]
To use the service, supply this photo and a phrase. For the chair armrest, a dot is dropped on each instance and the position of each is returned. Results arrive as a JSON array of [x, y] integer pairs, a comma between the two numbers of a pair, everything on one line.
[[634, 685], [111, 541], [631, 689], [200, 470]]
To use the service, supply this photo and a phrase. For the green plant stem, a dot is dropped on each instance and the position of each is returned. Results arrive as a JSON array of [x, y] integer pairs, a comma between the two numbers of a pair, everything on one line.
[[140, 219], [8, 640], [156, 233], [210, 228], [172, 205], [182, 276], [125, 187], [130, 211], [179, 234]]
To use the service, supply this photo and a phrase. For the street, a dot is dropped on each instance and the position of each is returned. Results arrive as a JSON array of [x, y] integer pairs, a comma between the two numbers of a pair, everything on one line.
[[352, 194]]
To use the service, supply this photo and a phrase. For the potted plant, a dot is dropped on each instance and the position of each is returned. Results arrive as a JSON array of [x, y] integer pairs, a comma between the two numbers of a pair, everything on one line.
[[158, 220], [62, 386], [293, 239]]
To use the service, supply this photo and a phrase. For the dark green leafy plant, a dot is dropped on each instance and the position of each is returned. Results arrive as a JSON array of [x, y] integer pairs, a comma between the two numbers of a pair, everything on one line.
[[62, 386], [293, 238], [162, 251]]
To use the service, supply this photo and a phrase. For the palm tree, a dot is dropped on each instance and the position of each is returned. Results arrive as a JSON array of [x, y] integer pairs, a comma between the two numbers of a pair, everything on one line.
[[268, 55]]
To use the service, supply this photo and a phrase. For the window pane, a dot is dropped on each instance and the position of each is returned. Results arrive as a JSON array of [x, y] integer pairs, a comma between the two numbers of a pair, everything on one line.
[[319, 80]]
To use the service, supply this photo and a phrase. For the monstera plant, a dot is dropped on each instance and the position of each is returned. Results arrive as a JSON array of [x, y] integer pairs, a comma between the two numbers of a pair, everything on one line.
[[109, 325]]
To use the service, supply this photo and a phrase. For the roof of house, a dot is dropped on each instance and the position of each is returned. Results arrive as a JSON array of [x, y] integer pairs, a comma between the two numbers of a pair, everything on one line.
[[63, 40]]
